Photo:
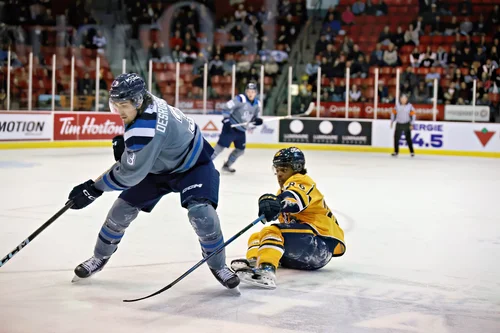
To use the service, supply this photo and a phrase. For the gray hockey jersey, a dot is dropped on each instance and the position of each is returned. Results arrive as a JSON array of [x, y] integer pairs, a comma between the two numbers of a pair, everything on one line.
[[241, 110], [162, 139]]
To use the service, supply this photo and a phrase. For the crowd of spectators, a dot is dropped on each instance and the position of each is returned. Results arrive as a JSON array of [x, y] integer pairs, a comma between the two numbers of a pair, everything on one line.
[[454, 45]]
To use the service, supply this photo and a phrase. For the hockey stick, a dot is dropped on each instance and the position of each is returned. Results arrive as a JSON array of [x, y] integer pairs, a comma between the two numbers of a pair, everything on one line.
[[308, 112], [31, 237], [201, 262], [36, 233]]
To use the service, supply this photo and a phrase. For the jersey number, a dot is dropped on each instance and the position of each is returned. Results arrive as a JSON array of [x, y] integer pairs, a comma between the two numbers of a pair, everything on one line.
[[179, 115]]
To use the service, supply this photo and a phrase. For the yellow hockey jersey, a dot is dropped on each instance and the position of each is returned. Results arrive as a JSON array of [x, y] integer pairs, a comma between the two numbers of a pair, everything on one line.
[[308, 205]]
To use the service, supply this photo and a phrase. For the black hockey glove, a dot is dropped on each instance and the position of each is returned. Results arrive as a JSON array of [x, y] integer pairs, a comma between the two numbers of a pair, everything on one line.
[[118, 147], [84, 194], [258, 121], [269, 206]]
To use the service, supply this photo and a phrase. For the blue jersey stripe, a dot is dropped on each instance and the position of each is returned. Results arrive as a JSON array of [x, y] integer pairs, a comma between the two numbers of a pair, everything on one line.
[[137, 142], [136, 147], [113, 178], [145, 123], [198, 145], [109, 184]]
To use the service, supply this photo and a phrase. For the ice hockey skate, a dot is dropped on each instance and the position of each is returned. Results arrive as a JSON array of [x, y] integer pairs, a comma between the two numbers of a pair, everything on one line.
[[264, 276], [227, 278], [88, 268], [238, 264], [227, 168]]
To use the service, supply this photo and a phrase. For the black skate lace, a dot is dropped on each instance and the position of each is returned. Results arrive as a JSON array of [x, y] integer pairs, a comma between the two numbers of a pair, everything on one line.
[[92, 264], [225, 274]]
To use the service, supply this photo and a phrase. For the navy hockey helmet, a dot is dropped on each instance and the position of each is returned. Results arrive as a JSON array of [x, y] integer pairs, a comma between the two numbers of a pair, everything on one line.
[[251, 86], [128, 87], [292, 157]]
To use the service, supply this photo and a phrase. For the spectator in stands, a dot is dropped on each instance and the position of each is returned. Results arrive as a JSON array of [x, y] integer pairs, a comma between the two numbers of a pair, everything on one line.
[[465, 8], [466, 26], [271, 67], [490, 67], [457, 77], [419, 25], [85, 85], [370, 8], [339, 66], [321, 45], [391, 56], [240, 13], [480, 56], [465, 93], [383, 92], [453, 27], [433, 74], [347, 45], [409, 75], [398, 38], [359, 67], [228, 63], [454, 57], [406, 89], [467, 57], [421, 94], [340, 91], [416, 57], [480, 27], [348, 16], [429, 58], [188, 54], [495, 17], [385, 36], [176, 39], [437, 27], [99, 41], [154, 53], [355, 94], [358, 8], [377, 55], [411, 36], [382, 8], [450, 95], [441, 57]]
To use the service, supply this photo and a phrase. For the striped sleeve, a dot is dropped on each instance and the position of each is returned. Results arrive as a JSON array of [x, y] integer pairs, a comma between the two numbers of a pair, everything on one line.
[[142, 150], [295, 198]]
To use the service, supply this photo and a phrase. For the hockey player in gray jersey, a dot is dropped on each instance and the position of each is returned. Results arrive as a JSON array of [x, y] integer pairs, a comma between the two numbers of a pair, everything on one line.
[[161, 151], [244, 108]]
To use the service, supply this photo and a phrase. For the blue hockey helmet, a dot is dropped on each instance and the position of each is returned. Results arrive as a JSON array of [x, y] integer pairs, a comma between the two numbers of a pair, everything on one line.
[[128, 87], [292, 157]]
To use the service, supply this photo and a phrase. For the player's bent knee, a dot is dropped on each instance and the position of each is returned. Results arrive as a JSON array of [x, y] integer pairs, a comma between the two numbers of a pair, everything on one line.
[[203, 217], [121, 215], [239, 151]]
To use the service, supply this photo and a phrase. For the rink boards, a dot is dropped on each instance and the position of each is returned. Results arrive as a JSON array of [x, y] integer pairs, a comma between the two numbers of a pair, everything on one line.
[[21, 129]]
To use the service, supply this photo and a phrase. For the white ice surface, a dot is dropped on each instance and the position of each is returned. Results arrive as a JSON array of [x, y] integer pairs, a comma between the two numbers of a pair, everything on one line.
[[422, 235]]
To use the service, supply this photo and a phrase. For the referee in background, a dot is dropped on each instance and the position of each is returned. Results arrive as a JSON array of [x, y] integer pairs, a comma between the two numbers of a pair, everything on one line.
[[404, 116]]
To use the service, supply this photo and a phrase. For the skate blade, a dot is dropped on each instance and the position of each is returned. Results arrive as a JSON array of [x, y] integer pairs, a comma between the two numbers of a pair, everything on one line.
[[245, 278], [76, 279], [235, 291]]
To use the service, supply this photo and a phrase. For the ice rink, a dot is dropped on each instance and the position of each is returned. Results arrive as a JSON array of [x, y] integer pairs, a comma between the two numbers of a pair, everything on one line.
[[422, 236]]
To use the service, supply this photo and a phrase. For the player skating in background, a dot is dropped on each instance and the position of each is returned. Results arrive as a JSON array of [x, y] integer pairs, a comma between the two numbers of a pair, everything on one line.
[[243, 108], [162, 151], [308, 234]]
